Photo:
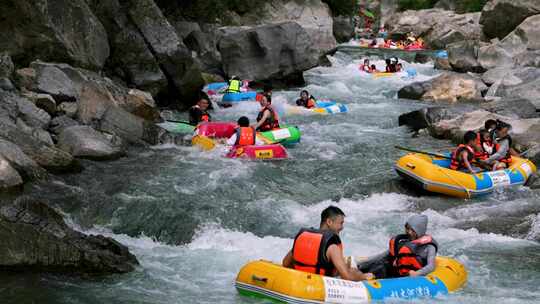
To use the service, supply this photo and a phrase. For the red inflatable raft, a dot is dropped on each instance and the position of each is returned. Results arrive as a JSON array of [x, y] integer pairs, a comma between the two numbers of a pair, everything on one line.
[[218, 129], [268, 152]]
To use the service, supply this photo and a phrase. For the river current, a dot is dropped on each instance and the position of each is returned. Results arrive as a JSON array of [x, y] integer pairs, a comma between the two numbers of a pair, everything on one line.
[[193, 219]]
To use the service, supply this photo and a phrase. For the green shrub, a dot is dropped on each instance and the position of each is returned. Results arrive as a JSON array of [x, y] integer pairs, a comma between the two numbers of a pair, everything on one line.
[[342, 7], [471, 6]]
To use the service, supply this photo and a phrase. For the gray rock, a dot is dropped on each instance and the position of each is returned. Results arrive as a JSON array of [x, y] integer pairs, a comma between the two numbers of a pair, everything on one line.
[[93, 102], [511, 11], [36, 238], [528, 59], [448, 87], [492, 76], [25, 166], [6, 84], [442, 64], [42, 153], [85, 142], [521, 83], [514, 108], [129, 127], [32, 115], [6, 65], [343, 28], [25, 78], [43, 101], [463, 56], [439, 28], [70, 109], [424, 118], [36, 133], [59, 123], [141, 104], [53, 81], [205, 46], [53, 30], [268, 52], [9, 177], [173, 56]]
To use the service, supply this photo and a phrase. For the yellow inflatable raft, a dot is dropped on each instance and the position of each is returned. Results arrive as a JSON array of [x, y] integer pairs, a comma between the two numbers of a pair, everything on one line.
[[265, 279], [433, 174]]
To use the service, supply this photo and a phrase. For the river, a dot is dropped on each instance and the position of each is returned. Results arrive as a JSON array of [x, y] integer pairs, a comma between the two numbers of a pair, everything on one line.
[[193, 219]]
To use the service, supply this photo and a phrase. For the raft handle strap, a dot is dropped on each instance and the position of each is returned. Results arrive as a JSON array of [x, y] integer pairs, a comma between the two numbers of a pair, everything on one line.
[[259, 279]]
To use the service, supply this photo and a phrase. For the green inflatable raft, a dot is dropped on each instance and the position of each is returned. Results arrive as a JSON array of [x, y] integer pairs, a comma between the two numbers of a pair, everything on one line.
[[287, 135]]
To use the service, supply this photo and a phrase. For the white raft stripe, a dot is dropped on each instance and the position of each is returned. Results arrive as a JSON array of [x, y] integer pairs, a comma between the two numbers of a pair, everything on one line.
[[275, 295]]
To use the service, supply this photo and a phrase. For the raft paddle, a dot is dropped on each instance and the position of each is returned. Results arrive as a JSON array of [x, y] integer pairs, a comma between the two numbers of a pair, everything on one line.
[[422, 152], [178, 121]]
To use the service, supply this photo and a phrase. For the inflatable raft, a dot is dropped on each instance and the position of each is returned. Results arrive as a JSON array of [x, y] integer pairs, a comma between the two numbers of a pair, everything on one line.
[[234, 98], [214, 87], [322, 107], [288, 135], [216, 129], [266, 152], [433, 174], [265, 279]]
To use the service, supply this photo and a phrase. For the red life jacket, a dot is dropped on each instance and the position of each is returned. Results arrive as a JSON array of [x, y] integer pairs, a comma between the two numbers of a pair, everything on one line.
[[456, 162], [271, 122], [405, 252], [245, 136], [486, 148], [309, 251]]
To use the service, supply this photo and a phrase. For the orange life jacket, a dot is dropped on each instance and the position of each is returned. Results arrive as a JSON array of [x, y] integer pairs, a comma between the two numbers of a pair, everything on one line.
[[486, 148], [456, 162], [404, 252], [309, 251], [245, 136], [271, 122]]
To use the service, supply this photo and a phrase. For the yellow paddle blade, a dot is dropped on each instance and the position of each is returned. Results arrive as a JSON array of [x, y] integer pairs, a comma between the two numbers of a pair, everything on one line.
[[383, 74], [320, 111], [204, 142]]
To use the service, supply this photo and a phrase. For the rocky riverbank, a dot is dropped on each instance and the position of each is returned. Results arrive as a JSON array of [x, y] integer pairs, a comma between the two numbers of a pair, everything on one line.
[[493, 66]]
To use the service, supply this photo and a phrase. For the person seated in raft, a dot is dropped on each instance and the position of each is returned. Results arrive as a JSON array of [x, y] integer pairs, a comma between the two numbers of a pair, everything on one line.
[[373, 69], [267, 90], [306, 100], [484, 146], [399, 67], [391, 65], [463, 156], [199, 112], [267, 119], [502, 156], [365, 67], [320, 251], [244, 135], [234, 85], [410, 254]]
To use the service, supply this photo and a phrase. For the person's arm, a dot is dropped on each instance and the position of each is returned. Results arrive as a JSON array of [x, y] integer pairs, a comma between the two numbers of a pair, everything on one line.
[[430, 266], [335, 255], [299, 102], [501, 153], [464, 156], [232, 140], [288, 261], [265, 116], [194, 116]]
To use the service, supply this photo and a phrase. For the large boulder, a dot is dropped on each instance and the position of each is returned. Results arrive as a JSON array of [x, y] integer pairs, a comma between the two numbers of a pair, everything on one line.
[[172, 55], [25, 166], [276, 51], [521, 83], [520, 47], [425, 117], [53, 81], [31, 114], [438, 27], [53, 30], [343, 28], [500, 17], [127, 126], [9, 177], [447, 87], [463, 56], [6, 71], [85, 142], [36, 238], [59, 123], [130, 56], [513, 108]]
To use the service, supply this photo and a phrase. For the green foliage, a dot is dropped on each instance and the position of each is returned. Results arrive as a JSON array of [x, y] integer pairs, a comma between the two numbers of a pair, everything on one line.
[[416, 4], [342, 7]]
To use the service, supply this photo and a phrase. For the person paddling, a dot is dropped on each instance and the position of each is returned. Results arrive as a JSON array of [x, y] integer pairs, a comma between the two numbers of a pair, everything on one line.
[[320, 251], [306, 100]]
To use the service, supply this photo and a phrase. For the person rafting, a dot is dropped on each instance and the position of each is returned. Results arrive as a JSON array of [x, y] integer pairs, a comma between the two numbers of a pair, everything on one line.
[[502, 157], [320, 251], [267, 90], [365, 67], [234, 85], [267, 119], [410, 254], [391, 65], [485, 147], [199, 112], [463, 156], [306, 100], [244, 135]]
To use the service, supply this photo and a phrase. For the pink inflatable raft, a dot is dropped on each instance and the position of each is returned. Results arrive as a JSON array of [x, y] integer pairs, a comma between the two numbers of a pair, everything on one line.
[[273, 152]]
